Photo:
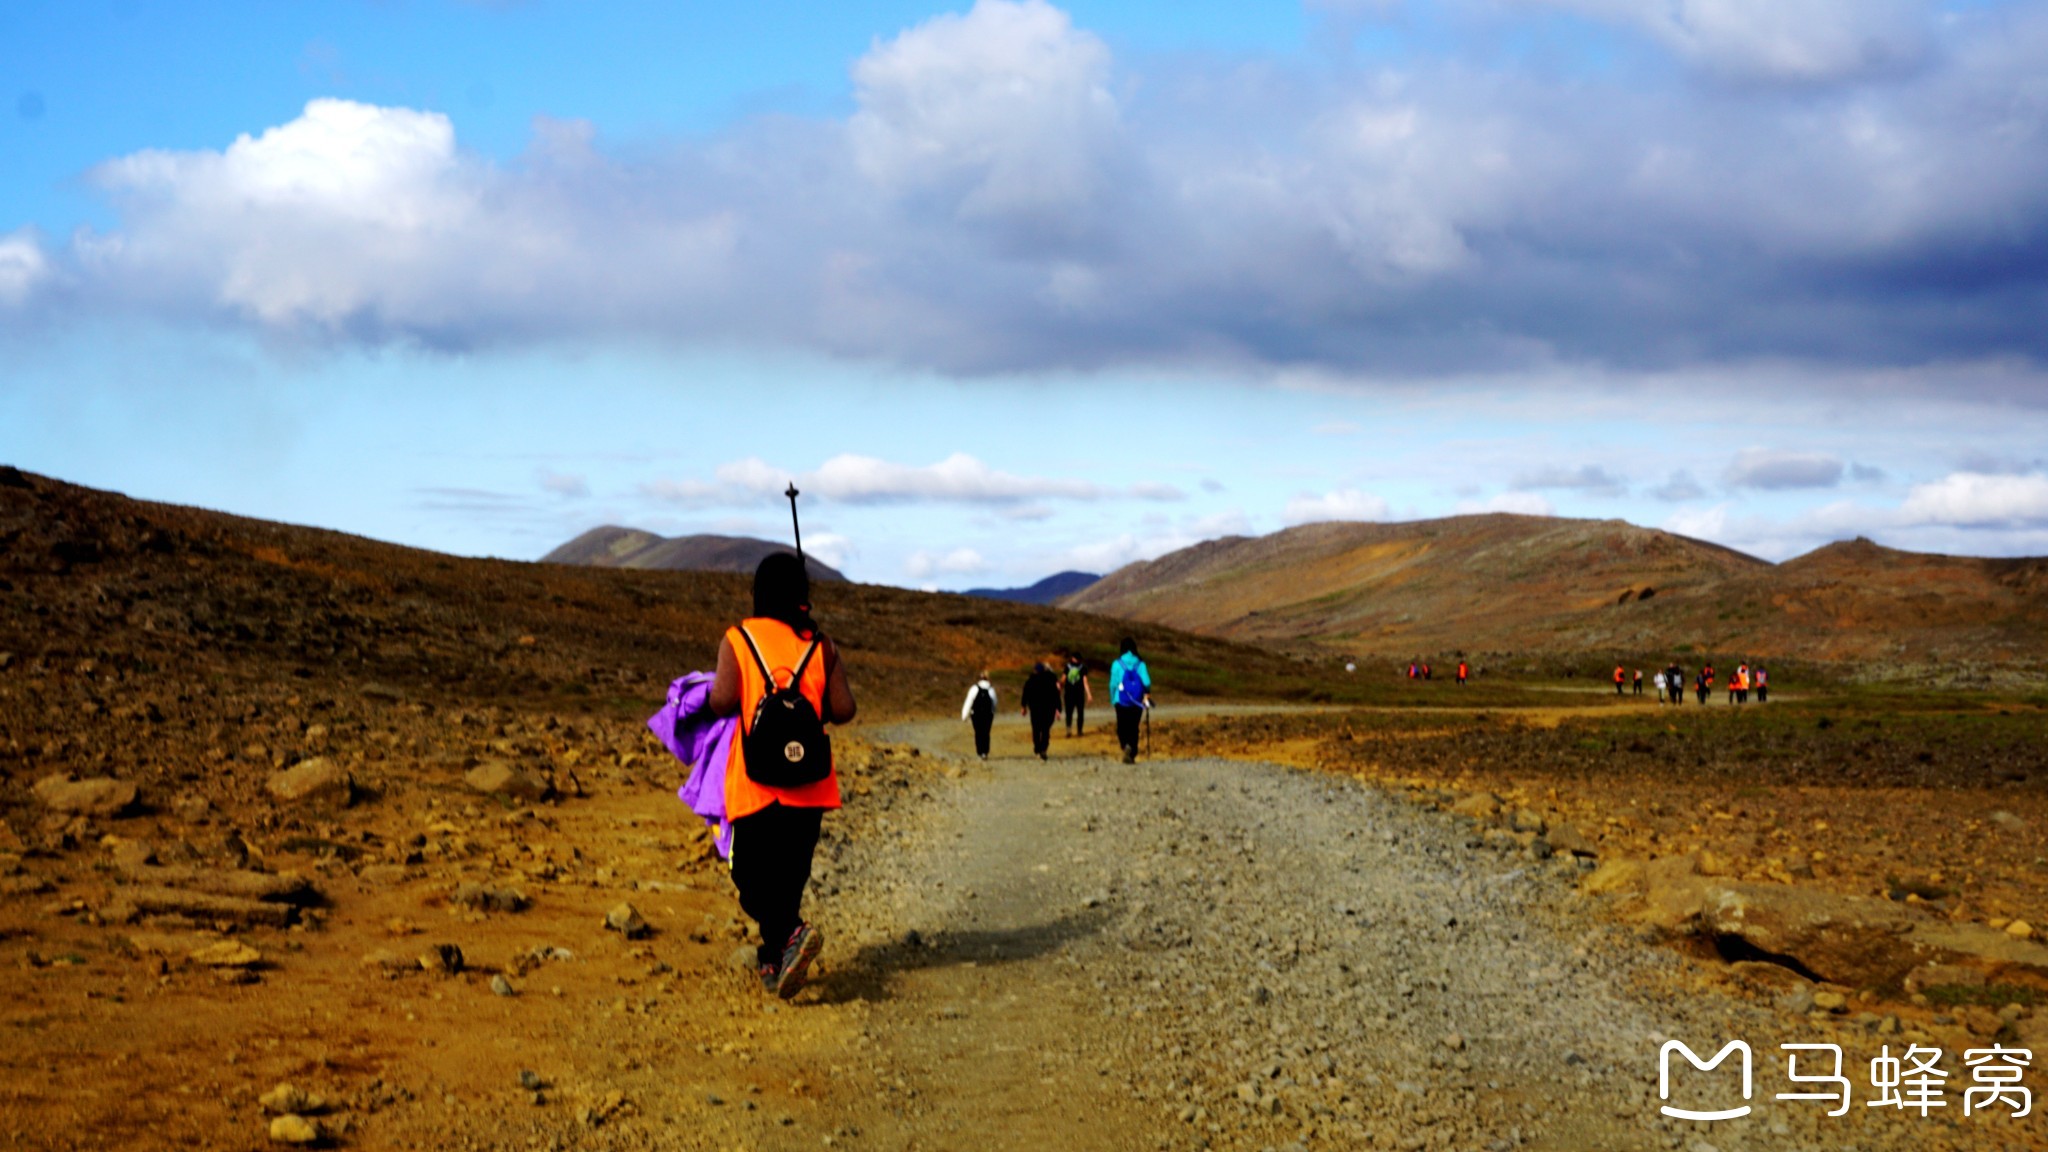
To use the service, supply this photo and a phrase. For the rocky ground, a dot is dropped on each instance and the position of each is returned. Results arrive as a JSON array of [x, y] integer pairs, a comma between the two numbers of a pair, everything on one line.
[[1187, 953]]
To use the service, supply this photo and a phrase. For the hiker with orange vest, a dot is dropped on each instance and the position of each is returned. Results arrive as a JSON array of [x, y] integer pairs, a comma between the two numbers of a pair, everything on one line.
[[780, 778], [1462, 671], [1620, 677]]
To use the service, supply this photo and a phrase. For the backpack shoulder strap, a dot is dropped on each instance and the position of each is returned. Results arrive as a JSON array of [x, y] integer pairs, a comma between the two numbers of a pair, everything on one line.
[[760, 661], [797, 677]]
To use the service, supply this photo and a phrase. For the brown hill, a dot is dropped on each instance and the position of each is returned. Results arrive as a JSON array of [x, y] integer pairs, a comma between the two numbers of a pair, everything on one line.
[[1541, 584], [611, 546]]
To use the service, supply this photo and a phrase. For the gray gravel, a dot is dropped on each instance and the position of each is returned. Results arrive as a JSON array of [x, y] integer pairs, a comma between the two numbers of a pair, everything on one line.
[[1203, 953]]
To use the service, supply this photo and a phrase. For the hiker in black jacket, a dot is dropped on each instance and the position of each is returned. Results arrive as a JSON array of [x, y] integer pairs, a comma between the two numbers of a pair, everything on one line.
[[980, 708], [1041, 701]]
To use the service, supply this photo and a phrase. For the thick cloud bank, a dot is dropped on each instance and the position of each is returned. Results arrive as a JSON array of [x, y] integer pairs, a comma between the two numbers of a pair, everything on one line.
[[1844, 184]]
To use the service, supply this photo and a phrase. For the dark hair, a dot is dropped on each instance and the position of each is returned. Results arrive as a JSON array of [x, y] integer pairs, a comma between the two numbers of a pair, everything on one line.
[[782, 591], [1129, 645]]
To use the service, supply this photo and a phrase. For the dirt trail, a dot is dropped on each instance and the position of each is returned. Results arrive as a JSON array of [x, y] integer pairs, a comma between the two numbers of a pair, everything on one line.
[[1211, 954]]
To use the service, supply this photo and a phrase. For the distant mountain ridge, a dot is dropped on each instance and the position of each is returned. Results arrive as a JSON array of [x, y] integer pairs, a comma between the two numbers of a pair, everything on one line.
[[1503, 582], [1044, 592], [611, 546]]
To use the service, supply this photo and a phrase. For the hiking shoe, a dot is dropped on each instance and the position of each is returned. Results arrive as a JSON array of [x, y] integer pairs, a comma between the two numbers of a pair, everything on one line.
[[803, 947], [1130, 756], [771, 975]]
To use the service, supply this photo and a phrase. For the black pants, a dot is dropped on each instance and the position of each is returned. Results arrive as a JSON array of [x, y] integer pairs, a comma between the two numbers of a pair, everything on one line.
[[981, 728], [1041, 730], [771, 864], [1128, 717], [1077, 709]]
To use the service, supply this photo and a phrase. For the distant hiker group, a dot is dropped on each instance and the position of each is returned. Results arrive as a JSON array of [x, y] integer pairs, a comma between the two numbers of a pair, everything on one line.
[[1671, 683], [1050, 694]]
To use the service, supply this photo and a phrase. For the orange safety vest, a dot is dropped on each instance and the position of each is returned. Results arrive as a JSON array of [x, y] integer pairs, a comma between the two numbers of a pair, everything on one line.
[[782, 649], [1617, 676]]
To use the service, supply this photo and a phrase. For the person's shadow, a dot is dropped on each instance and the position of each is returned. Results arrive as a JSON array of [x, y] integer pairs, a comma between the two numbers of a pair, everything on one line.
[[867, 974]]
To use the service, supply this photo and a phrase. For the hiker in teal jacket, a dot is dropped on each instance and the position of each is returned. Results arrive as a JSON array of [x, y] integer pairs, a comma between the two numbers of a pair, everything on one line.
[[1130, 689]]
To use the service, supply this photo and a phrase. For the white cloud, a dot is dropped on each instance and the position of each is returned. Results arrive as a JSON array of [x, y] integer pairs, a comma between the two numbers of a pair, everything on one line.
[[1773, 470], [563, 483], [1679, 488], [959, 562], [1522, 503], [689, 493], [1589, 478], [958, 478], [1342, 504], [1153, 490], [1976, 500], [854, 479], [831, 547], [1003, 112], [1008, 197], [23, 267], [1790, 40], [1126, 548]]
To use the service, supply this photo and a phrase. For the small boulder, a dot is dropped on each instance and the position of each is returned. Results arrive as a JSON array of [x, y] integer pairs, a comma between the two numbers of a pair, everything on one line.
[[1566, 837], [627, 921], [286, 1099], [484, 898], [92, 796], [294, 1129], [446, 959], [228, 954], [1481, 806], [497, 778], [318, 782], [1619, 874], [2019, 930]]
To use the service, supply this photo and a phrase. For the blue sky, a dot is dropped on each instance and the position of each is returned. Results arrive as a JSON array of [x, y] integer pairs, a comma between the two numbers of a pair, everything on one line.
[[1015, 287]]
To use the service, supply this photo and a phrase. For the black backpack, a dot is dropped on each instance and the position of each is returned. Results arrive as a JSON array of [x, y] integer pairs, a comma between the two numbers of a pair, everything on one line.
[[984, 706], [785, 744]]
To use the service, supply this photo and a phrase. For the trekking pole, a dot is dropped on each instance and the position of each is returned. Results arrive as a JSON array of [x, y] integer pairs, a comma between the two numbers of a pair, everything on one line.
[[794, 525], [1148, 726]]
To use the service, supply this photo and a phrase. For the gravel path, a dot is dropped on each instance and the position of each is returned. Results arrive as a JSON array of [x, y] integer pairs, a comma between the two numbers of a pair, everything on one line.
[[1212, 954]]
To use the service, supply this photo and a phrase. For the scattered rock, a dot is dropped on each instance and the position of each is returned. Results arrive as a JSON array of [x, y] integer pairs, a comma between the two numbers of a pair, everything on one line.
[[2008, 822], [1566, 837], [93, 796], [487, 899], [1852, 940], [497, 778], [627, 921], [204, 907], [229, 954], [1481, 806], [294, 1129], [1831, 1001], [446, 959], [2019, 930], [502, 986], [1615, 875], [318, 782], [270, 887], [285, 1100]]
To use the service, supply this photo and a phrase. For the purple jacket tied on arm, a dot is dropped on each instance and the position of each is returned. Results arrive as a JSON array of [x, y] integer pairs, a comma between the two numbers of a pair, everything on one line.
[[686, 727]]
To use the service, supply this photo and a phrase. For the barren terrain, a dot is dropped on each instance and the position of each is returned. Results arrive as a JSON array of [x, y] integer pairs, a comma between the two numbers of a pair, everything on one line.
[[305, 837], [1505, 588]]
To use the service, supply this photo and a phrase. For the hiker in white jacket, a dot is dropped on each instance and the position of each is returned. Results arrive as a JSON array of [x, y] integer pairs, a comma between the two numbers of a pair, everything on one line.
[[980, 707]]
